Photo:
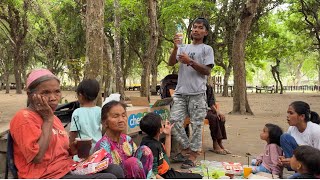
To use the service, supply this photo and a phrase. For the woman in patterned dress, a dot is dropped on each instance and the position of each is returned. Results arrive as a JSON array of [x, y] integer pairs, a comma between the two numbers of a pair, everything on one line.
[[136, 162]]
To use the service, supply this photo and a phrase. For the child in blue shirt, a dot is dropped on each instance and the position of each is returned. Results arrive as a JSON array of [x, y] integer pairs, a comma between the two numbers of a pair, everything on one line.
[[86, 120]]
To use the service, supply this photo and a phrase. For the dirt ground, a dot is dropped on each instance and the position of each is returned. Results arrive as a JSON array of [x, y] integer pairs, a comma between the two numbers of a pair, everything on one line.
[[242, 130]]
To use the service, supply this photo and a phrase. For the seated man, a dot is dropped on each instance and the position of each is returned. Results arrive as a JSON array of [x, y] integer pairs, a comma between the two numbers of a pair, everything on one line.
[[216, 124]]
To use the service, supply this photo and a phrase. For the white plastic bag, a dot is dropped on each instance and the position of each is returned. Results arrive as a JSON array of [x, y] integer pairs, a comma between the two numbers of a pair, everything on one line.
[[112, 97]]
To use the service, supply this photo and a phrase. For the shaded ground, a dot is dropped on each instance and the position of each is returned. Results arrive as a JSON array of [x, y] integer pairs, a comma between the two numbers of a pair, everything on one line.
[[243, 131]]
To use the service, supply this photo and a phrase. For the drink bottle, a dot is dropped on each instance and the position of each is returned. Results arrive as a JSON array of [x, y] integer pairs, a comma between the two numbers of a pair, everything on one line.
[[180, 34]]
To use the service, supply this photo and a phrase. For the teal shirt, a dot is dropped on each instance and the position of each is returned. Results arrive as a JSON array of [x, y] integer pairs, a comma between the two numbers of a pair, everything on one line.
[[87, 120]]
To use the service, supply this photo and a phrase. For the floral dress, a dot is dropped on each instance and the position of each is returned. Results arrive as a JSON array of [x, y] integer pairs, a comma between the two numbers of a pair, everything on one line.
[[136, 162]]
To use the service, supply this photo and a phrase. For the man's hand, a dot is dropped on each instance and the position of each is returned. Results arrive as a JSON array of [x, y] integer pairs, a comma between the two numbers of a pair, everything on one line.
[[221, 116], [167, 128], [184, 58]]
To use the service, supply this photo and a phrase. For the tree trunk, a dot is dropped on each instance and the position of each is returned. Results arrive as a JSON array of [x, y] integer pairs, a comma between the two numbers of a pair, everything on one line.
[[17, 70], [154, 73], [150, 55], [117, 49], [240, 100], [6, 79], [145, 81], [110, 73], [275, 78], [94, 41], [18, 23], [281, 86], [318, 67], [225, 80]]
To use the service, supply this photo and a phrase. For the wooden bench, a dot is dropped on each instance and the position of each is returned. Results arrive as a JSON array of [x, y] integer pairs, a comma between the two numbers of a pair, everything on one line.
[[270, 89], [265, 88], [259, 89]]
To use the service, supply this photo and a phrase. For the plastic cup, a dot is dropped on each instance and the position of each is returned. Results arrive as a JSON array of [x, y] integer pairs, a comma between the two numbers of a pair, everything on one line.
[[83, 147], [247, 171]]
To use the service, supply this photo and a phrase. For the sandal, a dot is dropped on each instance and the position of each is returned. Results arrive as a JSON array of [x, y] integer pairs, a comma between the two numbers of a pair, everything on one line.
[[178, 158], [227, 151], [187, 164], [220, 152]]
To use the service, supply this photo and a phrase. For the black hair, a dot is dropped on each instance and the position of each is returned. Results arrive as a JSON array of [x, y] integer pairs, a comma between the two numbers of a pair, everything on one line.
[[151, 124], [205, 22], [107, 107], [309, 157], [303, 108], [89, 89], [274, 133]]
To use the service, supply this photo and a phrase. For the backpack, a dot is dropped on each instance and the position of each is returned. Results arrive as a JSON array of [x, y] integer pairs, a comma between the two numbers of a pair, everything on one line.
[[168, 82]]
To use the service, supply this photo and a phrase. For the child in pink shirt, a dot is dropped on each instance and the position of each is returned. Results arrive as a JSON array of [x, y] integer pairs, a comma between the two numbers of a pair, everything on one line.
[[268, 160]]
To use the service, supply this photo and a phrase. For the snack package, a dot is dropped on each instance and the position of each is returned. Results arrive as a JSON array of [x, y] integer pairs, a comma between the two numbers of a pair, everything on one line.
[[93, 164], [235, 167]]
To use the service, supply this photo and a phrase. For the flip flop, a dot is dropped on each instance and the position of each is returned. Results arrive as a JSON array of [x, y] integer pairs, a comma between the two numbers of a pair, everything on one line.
[[221, 152], [227, 151], [187, 164], [178, 158]]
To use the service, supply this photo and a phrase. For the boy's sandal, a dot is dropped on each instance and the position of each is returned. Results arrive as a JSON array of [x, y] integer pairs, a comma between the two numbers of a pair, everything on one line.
[[178, 158], [187, 164], [221, 152], [227, 151]]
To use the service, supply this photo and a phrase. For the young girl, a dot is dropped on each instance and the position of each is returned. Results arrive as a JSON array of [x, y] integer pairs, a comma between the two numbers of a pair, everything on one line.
[[306, 161], [86, 120], [268, 161]]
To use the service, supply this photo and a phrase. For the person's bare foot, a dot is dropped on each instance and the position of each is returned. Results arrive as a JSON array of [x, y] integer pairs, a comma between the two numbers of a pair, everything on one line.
[[222, 147], [190, 162], [185, 152], [216, 146], [220, 143]]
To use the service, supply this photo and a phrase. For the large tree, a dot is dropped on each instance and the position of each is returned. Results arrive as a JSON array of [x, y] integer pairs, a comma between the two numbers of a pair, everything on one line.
[[240, 100], [15, 14], [310, 11], [150, 55], [117, 49], [94, 41]]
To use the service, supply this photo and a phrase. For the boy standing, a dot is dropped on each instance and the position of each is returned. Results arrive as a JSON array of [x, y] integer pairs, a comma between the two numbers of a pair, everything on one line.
[[196, 62], [151, 125]]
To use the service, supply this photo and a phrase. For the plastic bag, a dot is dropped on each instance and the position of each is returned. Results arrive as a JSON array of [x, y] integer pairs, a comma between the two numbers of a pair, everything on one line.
[[93, 164], [112, 97]]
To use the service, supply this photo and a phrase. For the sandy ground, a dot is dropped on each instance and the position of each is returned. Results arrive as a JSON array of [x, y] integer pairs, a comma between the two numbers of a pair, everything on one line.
[[242, 130]]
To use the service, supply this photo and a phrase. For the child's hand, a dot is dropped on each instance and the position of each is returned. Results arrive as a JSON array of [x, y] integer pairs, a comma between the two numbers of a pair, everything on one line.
[[158, 176], [259, 161], [73, 149], [284, 161], [167, 128]]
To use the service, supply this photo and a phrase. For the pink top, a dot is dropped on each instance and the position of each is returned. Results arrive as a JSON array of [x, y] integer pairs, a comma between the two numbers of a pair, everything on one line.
[[270, 158]]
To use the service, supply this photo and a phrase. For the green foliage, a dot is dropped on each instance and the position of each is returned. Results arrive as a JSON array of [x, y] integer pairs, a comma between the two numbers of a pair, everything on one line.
[[56, 37]]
